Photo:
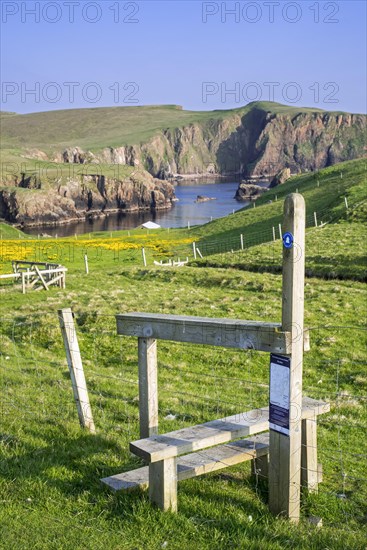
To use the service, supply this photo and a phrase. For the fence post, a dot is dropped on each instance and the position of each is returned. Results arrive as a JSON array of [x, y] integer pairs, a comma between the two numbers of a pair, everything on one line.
[[23, 282], [346, 202], [144, 257], [86, 263], [194, 249], [75, 365], [148, 386], [274, 233], [285, 450], [241, 237], [315, 218], [280, 230]]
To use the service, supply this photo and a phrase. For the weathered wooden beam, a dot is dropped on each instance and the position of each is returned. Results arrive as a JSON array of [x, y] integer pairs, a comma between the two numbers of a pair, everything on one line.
[[11, 276], [227, 333], [197, 464], [39, 273], [202, 436], [75, 365], [215, 432], [310, 466], [163, 484], [148, 386], [32, 273], [285, 449], [55, 280]]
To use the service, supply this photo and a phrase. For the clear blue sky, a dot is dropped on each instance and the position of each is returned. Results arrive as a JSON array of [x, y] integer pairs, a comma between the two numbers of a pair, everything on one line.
[[191, 53]]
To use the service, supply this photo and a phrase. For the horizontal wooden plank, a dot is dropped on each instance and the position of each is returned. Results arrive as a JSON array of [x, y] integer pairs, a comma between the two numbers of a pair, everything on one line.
[[11, 276], [216, 432], [206, 435], [227, 333], [196, 464], [24, 262], [33, 273]]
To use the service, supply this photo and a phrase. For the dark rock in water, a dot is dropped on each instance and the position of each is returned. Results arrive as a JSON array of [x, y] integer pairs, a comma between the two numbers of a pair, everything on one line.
[[202, 198], [280, 177], [249, 191]]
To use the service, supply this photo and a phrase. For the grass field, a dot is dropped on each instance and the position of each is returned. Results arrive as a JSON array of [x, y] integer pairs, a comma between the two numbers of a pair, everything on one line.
[[50, 469], [112, 126]]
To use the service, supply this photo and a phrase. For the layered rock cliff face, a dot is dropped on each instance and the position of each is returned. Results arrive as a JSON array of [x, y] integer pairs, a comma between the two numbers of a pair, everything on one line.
[[257, 141], [32, 203], [255, 144]]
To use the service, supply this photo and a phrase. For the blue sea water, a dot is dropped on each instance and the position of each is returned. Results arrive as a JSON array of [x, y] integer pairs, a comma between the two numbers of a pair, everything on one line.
[[185, 211]]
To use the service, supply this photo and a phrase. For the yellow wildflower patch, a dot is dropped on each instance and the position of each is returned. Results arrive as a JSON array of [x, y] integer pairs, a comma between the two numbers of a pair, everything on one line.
[[66, 250]]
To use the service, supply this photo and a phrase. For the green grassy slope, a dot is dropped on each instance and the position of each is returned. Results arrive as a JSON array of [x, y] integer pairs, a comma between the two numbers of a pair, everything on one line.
[[96, 128], [50, 469], [324, 194], [335, 250], [112, 126], [9, 232]]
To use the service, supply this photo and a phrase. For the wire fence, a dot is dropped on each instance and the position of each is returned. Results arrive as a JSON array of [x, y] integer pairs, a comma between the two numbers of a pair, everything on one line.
[[196, 384], [253, 237], [162, 247]]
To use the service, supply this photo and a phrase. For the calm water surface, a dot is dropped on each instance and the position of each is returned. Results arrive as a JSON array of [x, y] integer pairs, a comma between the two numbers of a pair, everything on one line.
[[184, 211]]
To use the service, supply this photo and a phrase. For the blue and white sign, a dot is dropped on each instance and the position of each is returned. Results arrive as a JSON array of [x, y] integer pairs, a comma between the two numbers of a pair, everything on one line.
[[288, 240], [279, 400]]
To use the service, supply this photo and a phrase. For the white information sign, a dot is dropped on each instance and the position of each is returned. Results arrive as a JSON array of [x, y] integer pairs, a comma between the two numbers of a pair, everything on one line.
[[279, 401]]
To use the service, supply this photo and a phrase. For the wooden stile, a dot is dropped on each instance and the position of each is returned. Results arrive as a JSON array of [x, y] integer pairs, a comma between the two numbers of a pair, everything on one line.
[[292, 450]]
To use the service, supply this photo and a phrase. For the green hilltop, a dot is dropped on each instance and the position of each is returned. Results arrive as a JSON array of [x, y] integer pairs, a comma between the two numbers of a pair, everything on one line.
[[113, 126]]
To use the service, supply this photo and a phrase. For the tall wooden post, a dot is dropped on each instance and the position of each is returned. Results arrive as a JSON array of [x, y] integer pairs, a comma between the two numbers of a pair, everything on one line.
[[285, 450], [148, 386]]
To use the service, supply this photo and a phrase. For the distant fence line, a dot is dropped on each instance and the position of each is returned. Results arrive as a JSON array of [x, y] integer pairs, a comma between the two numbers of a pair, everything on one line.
[[68, 249], [248, 239]]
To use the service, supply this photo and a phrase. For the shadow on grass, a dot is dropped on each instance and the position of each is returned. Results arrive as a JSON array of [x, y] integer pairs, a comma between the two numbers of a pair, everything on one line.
[[70, 462]]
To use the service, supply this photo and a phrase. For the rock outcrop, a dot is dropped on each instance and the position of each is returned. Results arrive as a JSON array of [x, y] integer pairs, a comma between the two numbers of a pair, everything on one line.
[[203, 198], [281, 177], [249, 192], [78, 197]]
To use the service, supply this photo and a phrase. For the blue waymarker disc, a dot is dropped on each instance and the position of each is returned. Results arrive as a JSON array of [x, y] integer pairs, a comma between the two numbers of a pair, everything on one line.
[[288, 240]]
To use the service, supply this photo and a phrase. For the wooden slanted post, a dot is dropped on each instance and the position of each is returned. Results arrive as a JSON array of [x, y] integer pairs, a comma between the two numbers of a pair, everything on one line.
[[285, 450], [76, 369], [148, 386], [44, 284]]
